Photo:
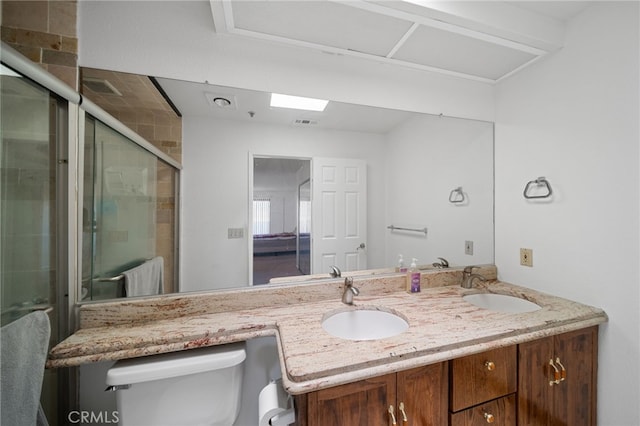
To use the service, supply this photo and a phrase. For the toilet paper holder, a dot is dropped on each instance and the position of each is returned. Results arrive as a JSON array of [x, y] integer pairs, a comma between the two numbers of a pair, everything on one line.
[[278, 407], [283, 419]]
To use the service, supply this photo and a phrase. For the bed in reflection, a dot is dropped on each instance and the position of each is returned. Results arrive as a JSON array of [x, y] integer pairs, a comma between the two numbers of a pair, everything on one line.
[[276, 255]]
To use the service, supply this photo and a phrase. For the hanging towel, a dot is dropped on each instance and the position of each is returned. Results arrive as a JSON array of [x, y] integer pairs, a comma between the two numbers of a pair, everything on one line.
[[23, 353], [146, 279]]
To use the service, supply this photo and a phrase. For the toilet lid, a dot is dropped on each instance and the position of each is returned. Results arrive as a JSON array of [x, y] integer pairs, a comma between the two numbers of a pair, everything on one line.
[[174, 364]]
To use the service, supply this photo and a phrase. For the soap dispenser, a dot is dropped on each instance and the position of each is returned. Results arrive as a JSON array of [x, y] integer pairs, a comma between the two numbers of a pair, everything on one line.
[[401, 267], [413, 277]]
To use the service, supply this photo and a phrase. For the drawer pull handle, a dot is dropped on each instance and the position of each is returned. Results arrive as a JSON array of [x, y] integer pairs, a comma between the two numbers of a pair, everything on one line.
[[404, 414], [490, 365], [557, 376], [393, 416], [563, 371], [489, 417]]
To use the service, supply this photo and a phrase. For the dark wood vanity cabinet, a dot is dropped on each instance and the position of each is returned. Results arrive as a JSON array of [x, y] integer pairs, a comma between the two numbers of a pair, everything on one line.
[[421, 392], [482, 388], [546, 382], [557, 379]]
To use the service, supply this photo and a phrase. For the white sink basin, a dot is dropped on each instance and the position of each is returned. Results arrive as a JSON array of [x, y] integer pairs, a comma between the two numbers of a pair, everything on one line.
[[367, 324], [501, 303]]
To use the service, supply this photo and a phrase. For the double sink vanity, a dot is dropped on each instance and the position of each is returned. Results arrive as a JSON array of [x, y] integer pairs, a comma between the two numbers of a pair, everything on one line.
[[496, 352]]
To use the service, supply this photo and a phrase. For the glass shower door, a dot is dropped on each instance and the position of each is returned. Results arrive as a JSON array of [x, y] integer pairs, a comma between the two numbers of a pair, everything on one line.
[[120, 203], [33, 171], [28, 194]]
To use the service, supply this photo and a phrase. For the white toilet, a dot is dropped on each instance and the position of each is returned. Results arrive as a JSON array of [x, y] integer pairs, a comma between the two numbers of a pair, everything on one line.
[[194, 387]]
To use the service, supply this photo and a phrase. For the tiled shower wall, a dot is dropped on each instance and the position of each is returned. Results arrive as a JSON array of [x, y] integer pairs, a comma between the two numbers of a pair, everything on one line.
[[44, 32]]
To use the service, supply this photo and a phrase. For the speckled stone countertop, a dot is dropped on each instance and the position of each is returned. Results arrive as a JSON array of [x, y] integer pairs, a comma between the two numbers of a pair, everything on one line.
[[442, 325]]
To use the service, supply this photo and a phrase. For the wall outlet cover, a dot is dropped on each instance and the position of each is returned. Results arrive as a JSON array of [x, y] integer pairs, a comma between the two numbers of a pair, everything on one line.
[[526, 257]]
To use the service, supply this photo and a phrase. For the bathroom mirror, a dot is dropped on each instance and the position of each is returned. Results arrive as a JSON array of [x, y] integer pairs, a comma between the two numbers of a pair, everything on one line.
[[414, 162]]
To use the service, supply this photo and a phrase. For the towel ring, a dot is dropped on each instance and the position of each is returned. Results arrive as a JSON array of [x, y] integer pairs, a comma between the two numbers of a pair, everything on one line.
[[541, 181], [456, 195]]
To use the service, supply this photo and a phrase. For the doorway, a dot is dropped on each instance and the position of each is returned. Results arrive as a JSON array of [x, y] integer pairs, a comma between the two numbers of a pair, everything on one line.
[[281, 217]]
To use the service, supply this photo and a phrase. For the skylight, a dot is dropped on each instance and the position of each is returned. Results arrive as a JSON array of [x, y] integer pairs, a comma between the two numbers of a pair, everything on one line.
[[297, 102]]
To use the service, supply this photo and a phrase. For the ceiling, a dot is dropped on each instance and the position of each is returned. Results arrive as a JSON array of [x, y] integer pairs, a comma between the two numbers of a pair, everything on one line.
[[195, 99], [474, 40], [483, 41]]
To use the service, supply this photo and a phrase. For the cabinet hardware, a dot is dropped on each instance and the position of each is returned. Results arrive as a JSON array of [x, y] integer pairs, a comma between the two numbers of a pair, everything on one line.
[[490, 365], [393, 417], [489, 417], [556, 374], [404, 415], [563, 372]]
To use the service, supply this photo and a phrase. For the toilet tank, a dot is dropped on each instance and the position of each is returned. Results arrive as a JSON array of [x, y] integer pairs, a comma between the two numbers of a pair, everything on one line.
[[193, 387]]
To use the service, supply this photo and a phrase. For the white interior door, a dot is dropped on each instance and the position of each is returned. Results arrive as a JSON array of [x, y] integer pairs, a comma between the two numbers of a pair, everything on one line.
[[339, 214]]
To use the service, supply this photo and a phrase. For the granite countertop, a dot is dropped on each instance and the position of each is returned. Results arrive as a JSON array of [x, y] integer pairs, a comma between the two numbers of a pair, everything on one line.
[[442, 326]]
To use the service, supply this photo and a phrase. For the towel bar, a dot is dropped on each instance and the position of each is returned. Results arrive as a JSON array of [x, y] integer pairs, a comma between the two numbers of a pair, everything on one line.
[[110, 279], [397, 228]]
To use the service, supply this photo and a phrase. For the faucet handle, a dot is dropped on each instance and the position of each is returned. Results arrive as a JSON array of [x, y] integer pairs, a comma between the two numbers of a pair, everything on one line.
[[335, 272], [469, 269], [442, 264]]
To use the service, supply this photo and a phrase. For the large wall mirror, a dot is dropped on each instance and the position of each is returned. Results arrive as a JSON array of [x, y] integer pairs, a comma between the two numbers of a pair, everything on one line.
[[428, 186]]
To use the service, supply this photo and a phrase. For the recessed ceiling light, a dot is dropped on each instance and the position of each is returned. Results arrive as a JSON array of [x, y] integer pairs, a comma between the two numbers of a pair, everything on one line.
[[222, 102], [297, 102]]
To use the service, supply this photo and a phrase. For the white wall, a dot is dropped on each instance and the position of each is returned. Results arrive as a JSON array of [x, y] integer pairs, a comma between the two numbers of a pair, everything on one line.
[[573, 118], [216, 184], [427, 157]]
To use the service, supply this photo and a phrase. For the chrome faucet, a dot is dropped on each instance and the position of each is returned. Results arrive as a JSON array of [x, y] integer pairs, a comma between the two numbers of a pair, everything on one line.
[[335, 272], [442, 264], [468, 276], [349, 291]]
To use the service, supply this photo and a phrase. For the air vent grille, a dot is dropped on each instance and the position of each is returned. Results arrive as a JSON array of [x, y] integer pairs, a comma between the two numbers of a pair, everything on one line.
[[304, 122], [101, 86]]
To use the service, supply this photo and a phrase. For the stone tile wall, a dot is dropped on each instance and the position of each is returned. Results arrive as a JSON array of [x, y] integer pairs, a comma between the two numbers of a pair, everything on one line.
[[46, 33]]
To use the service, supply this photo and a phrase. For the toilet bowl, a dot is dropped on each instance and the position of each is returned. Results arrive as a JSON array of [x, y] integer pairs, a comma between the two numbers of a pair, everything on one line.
[[194, 387]]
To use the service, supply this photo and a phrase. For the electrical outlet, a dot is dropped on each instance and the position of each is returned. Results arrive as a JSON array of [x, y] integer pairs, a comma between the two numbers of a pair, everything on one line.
[[468, 247], [233, 233], [526, 257]]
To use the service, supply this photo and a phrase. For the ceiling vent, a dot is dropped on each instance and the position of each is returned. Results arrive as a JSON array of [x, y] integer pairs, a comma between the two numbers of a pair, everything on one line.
[[98, 85], [302, 122]]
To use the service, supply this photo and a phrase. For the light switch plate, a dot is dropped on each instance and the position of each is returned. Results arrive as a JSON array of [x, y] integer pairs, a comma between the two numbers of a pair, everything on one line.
[[468, 247], [233, 233]]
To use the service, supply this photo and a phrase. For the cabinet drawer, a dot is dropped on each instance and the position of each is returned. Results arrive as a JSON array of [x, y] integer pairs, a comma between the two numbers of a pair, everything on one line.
[[482, 377], [499, 412]]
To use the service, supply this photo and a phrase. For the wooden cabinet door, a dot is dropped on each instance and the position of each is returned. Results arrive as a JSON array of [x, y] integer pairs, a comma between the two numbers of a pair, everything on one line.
[[570, 402], [575, 397], [534, 391], [364, 403], [500, 412], [424, 393]]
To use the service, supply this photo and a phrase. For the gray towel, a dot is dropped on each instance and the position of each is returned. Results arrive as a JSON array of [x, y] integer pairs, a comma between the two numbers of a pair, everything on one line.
[[23, 353], [146, 279]]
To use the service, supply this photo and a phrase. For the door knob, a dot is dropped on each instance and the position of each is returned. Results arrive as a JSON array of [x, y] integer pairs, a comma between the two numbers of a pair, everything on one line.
[[361, 246]]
